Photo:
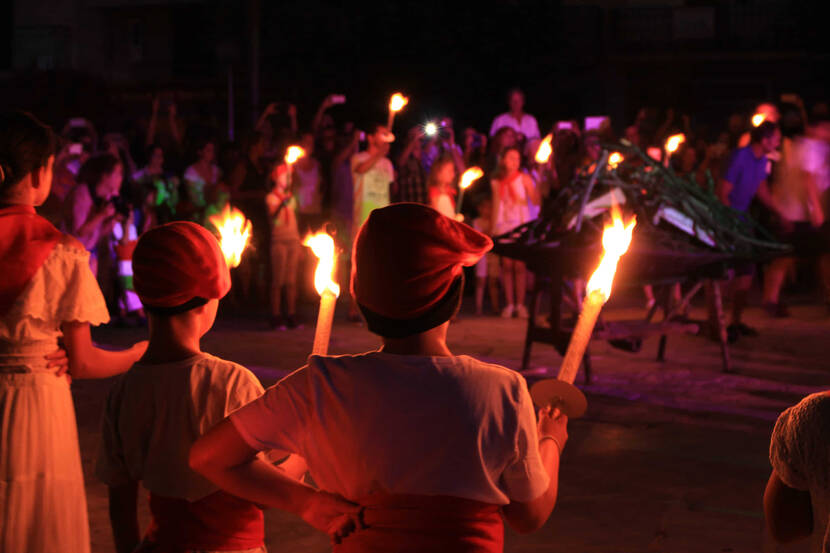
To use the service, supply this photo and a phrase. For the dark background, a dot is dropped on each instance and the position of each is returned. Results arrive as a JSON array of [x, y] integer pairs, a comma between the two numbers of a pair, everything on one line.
[[106, 58]]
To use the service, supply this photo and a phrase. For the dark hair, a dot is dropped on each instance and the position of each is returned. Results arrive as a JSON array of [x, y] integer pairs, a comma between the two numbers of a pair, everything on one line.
[[25, 145], [94, 169], [762, 131]]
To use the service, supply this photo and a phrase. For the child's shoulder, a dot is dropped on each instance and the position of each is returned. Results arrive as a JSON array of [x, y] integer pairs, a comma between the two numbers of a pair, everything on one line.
[[223, 369]]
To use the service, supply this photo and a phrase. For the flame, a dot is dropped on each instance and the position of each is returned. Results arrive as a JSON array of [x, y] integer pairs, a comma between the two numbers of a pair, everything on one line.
[[674, 142], [545, 150], [397, 102], [234, 233], [616, 238], [469, 176], [758, 118], [322, 245], [614, 159], [293, 154]]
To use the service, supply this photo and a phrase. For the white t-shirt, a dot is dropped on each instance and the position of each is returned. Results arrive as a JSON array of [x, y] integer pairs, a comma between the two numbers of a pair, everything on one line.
[[400, 424], [527, 126], [800, 455], [371, 189], [154, 413]]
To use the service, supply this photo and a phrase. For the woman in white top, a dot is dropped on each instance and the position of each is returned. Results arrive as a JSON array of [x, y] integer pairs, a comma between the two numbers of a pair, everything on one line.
[[201, 177], [441, 186], [512, 192], [47, 292]]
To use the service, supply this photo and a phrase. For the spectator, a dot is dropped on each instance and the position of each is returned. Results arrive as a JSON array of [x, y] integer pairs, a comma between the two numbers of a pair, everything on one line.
[[152, 178], [307, 184], [487, 268], [166, 133], [441, 187], [372, 174], [203, 177], [523, 123], [745, 179], [512, 190], [442, 143], [411, 183], [285, 249]]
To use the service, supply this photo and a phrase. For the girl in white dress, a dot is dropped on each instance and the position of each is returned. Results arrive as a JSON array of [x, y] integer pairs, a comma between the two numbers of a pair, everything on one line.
[[47, 292], [513, 192]]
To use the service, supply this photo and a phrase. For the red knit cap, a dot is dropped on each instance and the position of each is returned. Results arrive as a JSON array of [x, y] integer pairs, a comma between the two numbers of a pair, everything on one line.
[[407, 256], [177, 262]]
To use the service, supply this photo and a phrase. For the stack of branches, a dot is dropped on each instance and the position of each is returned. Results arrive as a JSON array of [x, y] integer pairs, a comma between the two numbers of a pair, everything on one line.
[[676, 216]]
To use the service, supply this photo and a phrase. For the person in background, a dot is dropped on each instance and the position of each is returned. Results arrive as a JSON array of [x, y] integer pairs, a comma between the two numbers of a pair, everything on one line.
[[372, 174], [523, 123], [202, 179], [797, 194], [90, 211], [441, 187], [285, 248], [512, 190], [487, 268], [249, 185], [448, 447], [797, 496], [411, 183], [147, 430], [746, 178], [152, 178], [166, 133], [504, 138], [442, 143], [47, 293], [475, 148], [307, 180]]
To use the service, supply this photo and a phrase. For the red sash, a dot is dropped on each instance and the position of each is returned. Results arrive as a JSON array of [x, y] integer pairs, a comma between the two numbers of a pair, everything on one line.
[[432, 524], [26, 240], [218, 522]]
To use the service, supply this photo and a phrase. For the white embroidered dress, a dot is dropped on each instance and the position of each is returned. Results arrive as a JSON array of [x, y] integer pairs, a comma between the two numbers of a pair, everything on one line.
[[42, 497]]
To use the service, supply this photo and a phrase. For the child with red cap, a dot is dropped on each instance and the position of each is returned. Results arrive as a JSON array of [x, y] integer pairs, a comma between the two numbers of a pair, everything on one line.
[[435, 448], [47, 293], [172, 395]]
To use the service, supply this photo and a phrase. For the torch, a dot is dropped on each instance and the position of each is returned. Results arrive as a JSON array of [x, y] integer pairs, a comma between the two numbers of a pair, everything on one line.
[[673, 143], [234, 233], [614, 159], [561, 392], [468, 177], [396, 103], [545, 150], [758, 118], [322, 245]]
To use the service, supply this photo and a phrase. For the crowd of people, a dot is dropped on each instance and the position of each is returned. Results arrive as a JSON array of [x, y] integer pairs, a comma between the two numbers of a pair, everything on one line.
[[103, 198], [409, 448]]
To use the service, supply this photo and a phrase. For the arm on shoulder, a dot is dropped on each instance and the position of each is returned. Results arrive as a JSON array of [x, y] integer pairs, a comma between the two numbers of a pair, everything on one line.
[[86, 360]]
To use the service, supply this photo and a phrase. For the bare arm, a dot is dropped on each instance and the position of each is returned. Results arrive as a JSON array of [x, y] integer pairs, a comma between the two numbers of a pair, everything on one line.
[[174, 124], [318, 115], [531, 190], [224, 458], [723, 191], [123, 503], [788, 512], [366, 165], [347, 151], [270, 109], [529, 516], [86, 360]]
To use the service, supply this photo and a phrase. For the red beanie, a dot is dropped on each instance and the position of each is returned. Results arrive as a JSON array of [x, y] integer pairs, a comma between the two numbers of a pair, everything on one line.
[[176, 263], [406, 258]]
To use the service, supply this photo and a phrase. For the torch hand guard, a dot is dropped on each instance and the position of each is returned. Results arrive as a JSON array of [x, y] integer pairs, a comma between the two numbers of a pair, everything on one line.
[[559, 394]]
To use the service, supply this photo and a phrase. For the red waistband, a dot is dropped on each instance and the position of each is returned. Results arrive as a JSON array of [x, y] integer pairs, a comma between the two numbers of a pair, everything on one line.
[[218, 522], [437, 524]]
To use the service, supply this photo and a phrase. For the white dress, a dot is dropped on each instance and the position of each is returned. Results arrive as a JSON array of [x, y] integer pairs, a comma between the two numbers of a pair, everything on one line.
[[42, 497]]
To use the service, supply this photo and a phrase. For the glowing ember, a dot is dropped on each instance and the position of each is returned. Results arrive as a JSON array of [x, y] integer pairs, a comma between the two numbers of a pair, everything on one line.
[[397, 102], [545, 150], [674, 142], [293, 154], [616, 238], [614, 159], [323, 247], [469, 177], [234, 233], [758, 118]]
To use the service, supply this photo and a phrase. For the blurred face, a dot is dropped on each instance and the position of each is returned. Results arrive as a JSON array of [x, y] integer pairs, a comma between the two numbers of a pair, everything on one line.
[[632, 134], [735, 123], [110, 185], [446, 173], [592, 148], [771, 143], [307, 143], [508, 139], [516, 101], [377, 139], [208, 153], [328, 141], [512, 161]]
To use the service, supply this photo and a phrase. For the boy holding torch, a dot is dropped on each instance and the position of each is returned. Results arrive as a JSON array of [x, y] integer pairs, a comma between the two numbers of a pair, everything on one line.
[[434, 448]]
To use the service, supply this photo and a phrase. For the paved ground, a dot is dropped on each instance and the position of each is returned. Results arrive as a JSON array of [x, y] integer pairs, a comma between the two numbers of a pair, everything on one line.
[[671, 457]]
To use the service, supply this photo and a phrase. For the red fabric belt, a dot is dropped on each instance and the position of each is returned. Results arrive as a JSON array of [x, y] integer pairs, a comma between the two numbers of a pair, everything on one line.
[[219, 522], [432, 524]]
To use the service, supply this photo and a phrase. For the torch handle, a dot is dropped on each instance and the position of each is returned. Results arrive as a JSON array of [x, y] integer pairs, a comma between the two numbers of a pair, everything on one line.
[[582, 332], [325, 317]]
